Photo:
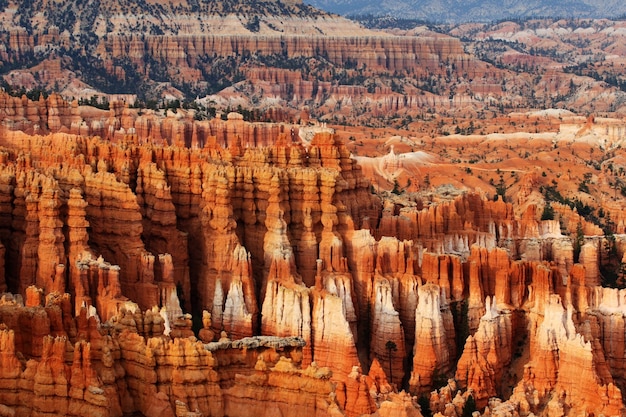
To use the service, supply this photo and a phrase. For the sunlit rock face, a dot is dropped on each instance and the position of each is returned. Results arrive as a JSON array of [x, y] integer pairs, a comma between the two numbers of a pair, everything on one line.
[[229, 278]]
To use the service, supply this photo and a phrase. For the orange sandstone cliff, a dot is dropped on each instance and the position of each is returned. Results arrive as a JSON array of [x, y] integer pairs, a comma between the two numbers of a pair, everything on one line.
[[239, 275]]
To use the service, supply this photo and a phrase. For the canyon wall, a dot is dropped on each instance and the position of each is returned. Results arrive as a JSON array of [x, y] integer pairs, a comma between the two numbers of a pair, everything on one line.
[[277, 73], [249, 268]]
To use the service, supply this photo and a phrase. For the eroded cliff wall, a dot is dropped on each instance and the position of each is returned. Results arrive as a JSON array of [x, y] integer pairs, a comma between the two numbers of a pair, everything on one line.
[[154, 277]]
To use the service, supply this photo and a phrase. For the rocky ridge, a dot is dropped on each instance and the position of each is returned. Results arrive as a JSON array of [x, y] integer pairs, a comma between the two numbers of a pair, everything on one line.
[[287, 61], [480, 11]]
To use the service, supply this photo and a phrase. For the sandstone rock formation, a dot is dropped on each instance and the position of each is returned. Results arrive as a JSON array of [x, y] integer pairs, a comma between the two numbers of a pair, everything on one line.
[[486, 355], [432, 353], [156, 278], [566, 357], [280, 57]]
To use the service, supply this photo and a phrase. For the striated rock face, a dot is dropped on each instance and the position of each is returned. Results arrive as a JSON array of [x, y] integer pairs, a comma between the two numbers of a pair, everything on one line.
[[48, 385], [212, 280], [332, 339], [487, 353], [562, 355], [288, 55], [276, 385], [286, 312], [432, 354], [157, 362], [172, 55], [386, 328], [373, 51]]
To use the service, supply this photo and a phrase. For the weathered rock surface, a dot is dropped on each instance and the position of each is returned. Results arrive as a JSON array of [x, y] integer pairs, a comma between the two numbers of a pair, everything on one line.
[[487, 353], [118, 251], [559, 356], [432, 353]]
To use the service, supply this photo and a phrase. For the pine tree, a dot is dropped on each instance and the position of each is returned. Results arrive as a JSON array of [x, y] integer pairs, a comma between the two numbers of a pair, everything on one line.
[[579, 241], [548, 212], [391, 347], [469, 407]]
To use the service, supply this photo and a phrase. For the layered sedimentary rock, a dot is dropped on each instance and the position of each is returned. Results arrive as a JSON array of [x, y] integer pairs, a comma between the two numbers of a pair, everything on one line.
[[561, 356], [387, 332], [276, 385], [486, 355], [332, 334], [277, 47], [432, 352], [374, 52], [190, 55], [117, 251]]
